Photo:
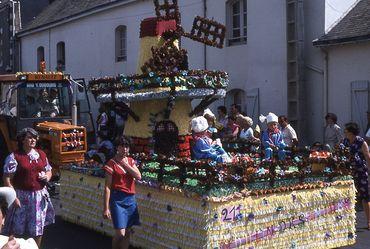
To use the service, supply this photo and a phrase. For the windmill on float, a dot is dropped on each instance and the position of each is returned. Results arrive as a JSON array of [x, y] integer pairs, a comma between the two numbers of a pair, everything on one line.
[[160, 94]]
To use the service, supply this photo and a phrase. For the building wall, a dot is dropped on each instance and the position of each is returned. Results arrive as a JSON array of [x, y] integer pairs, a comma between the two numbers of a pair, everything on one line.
[[347, 63], [259, 64]]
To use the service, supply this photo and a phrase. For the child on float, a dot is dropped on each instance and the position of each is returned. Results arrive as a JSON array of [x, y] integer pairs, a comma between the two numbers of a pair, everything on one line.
[[211, 120], [272, 138], [119, 194], [247, 134], [204, 147]]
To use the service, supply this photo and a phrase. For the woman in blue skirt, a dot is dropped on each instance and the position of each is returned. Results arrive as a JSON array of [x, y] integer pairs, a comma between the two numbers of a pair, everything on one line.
[[119, 194]]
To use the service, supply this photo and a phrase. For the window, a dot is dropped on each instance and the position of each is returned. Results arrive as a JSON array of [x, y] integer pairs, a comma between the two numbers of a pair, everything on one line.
[[40, 56], [235, 96], [121, 43], [236, 21], [166, 136], [61, 57], [51, 100]]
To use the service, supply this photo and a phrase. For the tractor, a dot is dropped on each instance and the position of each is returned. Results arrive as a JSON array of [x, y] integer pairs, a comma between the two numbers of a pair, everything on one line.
[[42, 100]]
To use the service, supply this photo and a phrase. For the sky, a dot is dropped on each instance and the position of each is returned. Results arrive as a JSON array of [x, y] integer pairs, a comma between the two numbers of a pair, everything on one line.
[[335, 9]]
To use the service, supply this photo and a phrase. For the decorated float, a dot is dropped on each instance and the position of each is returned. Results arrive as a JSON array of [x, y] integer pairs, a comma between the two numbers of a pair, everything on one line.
[[306, 201]]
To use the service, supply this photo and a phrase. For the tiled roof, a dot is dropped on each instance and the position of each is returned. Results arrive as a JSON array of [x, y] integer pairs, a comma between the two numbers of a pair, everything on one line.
[[355, 26], [61, 10]]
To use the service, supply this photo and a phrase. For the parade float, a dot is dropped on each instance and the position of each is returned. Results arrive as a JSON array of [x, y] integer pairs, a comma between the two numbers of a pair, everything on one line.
[[306, 201]]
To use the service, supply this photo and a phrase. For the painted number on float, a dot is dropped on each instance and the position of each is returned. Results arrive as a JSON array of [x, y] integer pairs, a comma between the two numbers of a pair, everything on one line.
[[230, 213]]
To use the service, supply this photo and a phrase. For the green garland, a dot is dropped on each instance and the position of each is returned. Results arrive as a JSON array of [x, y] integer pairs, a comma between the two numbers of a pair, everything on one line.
[[186, 79]]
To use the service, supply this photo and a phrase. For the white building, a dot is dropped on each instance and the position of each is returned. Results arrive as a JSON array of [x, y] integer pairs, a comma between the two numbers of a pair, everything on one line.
[[268, 53], [347, 72]]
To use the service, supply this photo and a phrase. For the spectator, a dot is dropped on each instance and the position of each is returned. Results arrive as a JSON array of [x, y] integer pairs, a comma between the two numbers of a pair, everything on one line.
[[204, 147], [102, 121], [119, 194], [7, 198], [27, 170], [235, 110], [47, 109], [222, 115], [360, 157], [54, 100], [106, 147], [232, 130], [272, 139], [289, 134], [367, 136], [333, 133]]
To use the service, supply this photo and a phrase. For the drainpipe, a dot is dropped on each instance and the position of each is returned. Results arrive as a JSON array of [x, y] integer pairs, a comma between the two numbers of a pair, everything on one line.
[[325, 87], [205, 46], [19, 42], [326, 82]]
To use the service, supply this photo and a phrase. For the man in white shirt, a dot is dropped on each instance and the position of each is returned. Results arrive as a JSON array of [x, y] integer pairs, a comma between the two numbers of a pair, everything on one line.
[[289, 135]]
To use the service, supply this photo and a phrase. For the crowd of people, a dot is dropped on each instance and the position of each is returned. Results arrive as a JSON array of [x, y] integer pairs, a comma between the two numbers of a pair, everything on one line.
[[212, 134]]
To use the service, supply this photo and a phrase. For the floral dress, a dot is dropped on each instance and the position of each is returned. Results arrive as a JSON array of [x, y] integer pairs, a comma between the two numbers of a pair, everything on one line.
[[359, 165], [36, 209]]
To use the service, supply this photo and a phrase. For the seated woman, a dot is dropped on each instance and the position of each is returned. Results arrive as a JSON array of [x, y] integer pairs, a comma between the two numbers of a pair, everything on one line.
[[247, 133], [204, 147], [272, 139]]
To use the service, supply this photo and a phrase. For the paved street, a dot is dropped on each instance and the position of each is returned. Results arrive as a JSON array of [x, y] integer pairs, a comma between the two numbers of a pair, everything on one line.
[[64, 235], [363, 235]]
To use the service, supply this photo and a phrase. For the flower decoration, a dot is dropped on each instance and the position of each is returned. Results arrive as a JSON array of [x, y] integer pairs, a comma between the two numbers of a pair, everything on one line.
[[279, 209], [251, 217], [169, 208], [215, 216]]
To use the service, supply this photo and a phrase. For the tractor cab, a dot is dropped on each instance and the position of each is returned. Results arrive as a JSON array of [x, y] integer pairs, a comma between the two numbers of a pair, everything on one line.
[[33, 98]]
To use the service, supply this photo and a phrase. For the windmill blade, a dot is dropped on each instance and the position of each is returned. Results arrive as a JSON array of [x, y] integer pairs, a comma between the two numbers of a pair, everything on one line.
[[167, 10], [208, 32]]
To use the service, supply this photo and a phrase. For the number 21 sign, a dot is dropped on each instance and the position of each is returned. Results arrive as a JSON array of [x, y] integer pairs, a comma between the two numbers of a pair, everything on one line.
[[231, 213]]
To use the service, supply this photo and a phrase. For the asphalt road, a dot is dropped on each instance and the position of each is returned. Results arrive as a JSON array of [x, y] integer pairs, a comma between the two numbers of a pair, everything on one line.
[[64, 235]]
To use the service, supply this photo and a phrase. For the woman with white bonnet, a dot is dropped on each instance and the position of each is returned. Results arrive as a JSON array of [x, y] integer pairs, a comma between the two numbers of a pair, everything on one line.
[[204, 147], [272, 139], [7, 197]]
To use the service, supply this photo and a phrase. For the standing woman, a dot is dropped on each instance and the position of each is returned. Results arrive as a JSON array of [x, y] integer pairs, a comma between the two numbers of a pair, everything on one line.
[[27, 170], [333, 133], [360, 157], [119, 194]]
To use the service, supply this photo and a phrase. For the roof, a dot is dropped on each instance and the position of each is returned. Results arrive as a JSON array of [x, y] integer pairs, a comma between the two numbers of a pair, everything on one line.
[[354, 27], [61, 10]]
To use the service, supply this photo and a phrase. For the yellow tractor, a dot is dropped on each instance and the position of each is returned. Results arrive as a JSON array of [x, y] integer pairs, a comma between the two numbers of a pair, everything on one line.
[[42, 100]]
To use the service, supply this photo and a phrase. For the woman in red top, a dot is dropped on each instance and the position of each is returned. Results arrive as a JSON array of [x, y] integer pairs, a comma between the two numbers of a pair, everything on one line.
[[119, 194]]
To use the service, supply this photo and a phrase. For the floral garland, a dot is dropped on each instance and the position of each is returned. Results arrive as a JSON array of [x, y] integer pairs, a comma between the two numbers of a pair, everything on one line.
[[188, 79], [241, 172]]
